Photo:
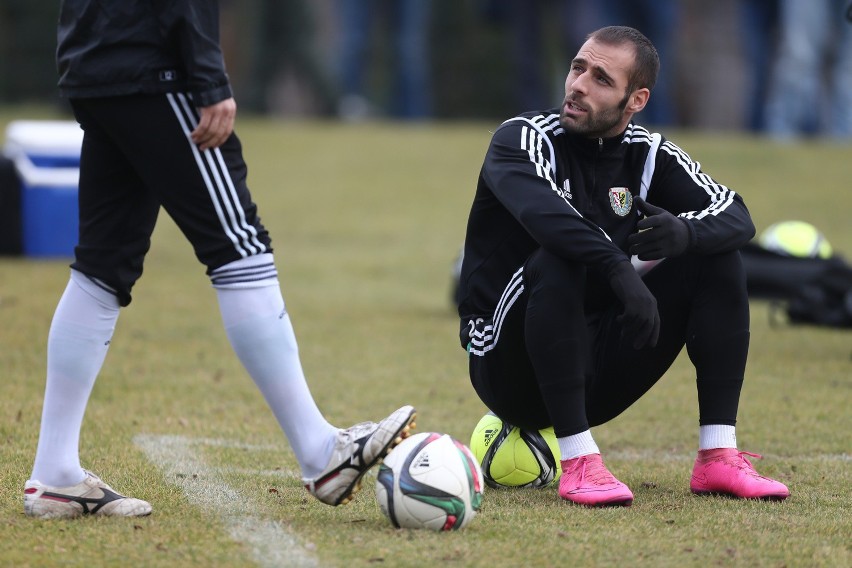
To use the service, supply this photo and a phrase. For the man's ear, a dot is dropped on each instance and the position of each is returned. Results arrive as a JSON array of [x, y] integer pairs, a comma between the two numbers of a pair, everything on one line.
[[638, 100]]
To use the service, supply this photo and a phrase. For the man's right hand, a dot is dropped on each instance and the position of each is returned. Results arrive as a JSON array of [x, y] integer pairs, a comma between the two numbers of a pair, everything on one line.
[[640, 318], [215, 125]]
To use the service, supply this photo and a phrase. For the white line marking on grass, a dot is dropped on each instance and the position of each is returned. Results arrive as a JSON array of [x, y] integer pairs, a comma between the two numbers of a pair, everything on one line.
[[220, 443], [281, 473], [271, 544]]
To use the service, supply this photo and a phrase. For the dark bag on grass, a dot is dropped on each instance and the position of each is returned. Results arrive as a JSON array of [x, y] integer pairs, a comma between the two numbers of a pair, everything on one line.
[[812, 291], [827, 300]]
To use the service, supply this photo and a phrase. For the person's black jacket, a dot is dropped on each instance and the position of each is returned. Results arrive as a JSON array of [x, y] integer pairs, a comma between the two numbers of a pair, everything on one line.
[[121, 47], [542, 187]]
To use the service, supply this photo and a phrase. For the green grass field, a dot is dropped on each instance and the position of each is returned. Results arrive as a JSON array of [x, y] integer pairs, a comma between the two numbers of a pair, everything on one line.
[[366, 221]]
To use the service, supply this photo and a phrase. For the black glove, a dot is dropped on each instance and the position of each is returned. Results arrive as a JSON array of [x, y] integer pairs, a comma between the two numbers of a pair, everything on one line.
[[640, 318], [660, 235]]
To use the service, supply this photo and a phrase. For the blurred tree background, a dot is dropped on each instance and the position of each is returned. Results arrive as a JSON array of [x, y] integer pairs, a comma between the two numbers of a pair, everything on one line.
[[27, 46]]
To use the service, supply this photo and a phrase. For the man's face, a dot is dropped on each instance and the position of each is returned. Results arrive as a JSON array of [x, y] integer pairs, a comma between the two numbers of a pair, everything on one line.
[[596, 91]]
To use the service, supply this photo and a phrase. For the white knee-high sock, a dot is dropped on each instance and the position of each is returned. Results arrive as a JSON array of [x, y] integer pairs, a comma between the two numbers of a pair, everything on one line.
[[77, 344], [260, 331]]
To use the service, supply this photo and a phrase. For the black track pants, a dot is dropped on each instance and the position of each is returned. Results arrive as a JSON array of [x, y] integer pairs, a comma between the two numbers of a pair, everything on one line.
[[136, 157], [558, 357]]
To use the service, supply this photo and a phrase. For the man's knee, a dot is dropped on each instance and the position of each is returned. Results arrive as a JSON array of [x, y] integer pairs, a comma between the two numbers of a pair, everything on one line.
[[723, 271], [544, 268], [116, 277]]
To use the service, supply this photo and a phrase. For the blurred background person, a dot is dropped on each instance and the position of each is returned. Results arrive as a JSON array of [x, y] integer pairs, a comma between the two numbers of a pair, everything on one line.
[[408, 24], [759, 30], [811, 86]]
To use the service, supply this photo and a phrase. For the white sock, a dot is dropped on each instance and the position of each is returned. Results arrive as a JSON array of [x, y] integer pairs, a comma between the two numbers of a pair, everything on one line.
[[714, 436], [77, 344], [260, 331], [577, 445]]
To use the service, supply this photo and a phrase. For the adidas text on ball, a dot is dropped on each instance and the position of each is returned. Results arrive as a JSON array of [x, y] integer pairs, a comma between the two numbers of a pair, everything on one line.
[[513, 457]]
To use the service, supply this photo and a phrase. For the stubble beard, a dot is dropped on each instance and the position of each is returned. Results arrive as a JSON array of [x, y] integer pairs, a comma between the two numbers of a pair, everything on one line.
[[595, 124]]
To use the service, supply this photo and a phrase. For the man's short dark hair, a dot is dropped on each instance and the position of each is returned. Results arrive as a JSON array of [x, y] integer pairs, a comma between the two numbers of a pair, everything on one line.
[[646, 64]]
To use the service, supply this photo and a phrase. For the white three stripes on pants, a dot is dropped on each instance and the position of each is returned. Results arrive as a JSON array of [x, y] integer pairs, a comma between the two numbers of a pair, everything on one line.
[[220, 186]]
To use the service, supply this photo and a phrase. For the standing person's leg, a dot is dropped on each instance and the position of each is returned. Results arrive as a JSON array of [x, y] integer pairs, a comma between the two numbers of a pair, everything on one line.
[[258, 326], [207, 196], [117, 217]]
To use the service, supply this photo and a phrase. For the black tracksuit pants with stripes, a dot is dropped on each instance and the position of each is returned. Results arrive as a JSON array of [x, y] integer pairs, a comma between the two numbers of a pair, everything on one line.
[[560, 358], [137, 157]]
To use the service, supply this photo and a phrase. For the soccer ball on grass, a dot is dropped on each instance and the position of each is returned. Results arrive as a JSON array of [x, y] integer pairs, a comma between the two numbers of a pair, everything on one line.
[[512, 457], [430, 481]]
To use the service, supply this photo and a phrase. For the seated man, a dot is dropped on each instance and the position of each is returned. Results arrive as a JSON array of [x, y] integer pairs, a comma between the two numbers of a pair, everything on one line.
[[560, 328]]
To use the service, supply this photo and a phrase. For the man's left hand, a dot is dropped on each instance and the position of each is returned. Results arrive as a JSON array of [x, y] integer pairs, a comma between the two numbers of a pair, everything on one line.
[[660, 234]]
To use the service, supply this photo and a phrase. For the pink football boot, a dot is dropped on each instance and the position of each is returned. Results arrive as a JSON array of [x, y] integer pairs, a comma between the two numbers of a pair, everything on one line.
[[586, 480], [727, 471]]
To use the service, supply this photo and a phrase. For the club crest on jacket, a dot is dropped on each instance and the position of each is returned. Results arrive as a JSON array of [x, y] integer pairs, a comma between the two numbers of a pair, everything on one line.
[[621, 200]]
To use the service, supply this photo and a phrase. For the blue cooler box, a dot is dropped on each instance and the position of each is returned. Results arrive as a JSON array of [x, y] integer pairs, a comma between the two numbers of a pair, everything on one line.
[[47, 156]]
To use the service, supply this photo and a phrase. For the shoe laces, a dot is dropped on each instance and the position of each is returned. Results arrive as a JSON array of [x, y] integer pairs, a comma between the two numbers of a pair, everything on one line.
[[596, 473], [358, 431], [740, 461], [347, 438]]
